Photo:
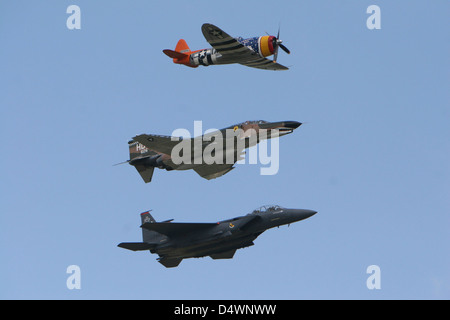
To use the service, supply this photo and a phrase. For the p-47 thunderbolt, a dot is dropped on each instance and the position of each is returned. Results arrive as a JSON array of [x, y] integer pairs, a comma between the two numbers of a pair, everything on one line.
[[174, 242], [210, 155], [251, 52]]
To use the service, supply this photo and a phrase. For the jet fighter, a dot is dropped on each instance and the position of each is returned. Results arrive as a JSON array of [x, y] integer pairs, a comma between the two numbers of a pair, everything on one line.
[[175, 241], [250, 52], [210, 155]]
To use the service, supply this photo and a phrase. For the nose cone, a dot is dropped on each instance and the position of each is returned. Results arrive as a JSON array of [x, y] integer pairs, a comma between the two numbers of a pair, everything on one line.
[[305, 213], [281, 125], [301, 214], [292, 124]]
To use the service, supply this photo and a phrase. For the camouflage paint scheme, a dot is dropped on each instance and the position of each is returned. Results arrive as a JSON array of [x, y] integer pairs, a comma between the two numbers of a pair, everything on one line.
[[148, 152]]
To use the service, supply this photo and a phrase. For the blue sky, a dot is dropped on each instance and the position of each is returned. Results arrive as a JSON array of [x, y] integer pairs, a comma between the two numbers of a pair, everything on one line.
[[372, 156]]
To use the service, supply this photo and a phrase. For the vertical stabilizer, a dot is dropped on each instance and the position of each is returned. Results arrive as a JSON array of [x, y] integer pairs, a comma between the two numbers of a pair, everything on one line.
[[181, 55], [138, 153], [149, 235], [182, 47]]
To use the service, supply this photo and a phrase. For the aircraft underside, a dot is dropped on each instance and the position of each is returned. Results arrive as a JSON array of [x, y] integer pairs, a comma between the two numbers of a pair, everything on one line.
[[216, 249]]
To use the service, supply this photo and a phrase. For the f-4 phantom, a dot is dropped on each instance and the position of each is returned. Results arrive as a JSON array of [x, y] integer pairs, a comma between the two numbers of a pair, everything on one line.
[[210, 155], [174, 242], [251, 52]]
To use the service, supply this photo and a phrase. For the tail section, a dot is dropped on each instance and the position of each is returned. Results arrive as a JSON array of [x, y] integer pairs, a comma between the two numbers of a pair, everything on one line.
[[146, 217], [175, 54], [150, 239], [181, 55], [149, 236], [139, 151], [155, 237], [182, 47]]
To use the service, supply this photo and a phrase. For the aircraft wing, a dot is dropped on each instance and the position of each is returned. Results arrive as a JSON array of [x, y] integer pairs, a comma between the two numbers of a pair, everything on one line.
[[215, 170], [224, 43], [212, 171], [264, 63], [158, 143], [234, 51], [165, 144], [173, 229]]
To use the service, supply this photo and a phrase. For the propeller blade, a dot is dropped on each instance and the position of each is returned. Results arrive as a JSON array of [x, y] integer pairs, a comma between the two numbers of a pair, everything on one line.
[[284, 48], [276, 44], [275, 54]]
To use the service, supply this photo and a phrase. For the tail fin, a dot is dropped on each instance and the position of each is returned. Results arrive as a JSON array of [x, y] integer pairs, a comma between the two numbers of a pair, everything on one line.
[[182, 47], [147, 217], [148, 235], [150, 238], [138, 150], [181, 54]]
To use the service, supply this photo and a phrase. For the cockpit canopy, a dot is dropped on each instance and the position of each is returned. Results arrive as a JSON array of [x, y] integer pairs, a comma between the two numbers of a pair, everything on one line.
[[255, 122], [269, 207]]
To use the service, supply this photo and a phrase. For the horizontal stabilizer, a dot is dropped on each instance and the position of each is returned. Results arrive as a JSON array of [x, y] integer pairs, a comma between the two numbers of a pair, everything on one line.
[[175, 54], [145, 172], [136, 246]]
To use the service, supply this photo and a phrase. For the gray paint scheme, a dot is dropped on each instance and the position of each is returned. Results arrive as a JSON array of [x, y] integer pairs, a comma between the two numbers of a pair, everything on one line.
[[174, 241]]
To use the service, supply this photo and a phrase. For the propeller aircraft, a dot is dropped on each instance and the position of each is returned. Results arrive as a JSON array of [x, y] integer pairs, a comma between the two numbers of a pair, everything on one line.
[[250, 52]]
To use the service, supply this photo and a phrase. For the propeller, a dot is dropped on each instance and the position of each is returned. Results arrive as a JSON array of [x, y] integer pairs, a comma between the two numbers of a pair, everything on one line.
[[277, 43]]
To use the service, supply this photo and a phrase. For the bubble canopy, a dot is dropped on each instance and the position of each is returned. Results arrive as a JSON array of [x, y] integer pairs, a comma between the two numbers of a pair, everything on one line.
[[268, 207], [255, 122]]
